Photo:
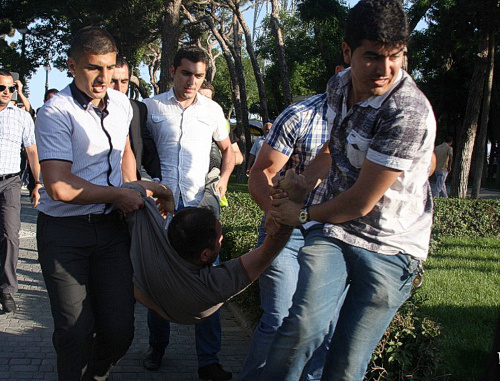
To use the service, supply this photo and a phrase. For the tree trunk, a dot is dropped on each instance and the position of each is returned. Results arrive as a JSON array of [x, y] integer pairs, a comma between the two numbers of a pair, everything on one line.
[[170, 41], [280, 52], [463, 151], [264, 113], [483, 127]]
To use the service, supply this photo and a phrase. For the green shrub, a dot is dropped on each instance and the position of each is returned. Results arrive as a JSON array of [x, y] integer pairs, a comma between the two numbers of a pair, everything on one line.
[[467, 217], [408, 349]]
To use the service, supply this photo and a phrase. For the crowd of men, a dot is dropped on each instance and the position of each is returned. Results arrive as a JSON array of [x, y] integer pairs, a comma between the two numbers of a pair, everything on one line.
[[342, 179]]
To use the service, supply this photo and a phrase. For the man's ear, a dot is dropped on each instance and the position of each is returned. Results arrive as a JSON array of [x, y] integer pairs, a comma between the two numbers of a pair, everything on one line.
[[172, 71], [346, 52], [205, 256], [71, 65]]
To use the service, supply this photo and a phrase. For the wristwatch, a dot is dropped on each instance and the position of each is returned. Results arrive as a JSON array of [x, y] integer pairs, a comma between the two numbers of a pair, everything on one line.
[[304, 215]]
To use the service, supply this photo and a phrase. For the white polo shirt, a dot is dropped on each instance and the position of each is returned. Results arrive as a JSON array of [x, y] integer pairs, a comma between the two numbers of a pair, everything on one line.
[[183, 139], [69, 129], [16, 127]]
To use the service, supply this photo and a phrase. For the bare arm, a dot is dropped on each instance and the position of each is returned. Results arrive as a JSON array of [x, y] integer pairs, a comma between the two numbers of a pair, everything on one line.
[[238, 157], [357, 201], [258, 260], [227, 164], [35, 170], [268, 164], [22, 97], [129, 167], [62, 185], [164, 195]]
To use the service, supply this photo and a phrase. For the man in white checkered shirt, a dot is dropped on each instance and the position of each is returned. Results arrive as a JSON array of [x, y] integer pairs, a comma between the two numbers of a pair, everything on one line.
[[16, 128]]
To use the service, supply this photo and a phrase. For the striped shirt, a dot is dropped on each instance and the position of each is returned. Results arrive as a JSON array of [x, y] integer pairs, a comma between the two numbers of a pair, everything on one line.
[[16, 128], [395, 130], [69, 128], [300, 132]]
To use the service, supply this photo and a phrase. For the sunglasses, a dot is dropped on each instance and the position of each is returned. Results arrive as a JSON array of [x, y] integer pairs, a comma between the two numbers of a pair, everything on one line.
[[11, 88]]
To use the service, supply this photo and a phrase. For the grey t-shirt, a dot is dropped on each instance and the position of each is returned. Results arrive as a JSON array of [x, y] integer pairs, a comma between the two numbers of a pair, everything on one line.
[[185, 292]]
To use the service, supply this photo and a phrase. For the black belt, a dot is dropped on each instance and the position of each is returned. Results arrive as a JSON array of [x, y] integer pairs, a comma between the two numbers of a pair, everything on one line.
[[5, 177], [97, 218]]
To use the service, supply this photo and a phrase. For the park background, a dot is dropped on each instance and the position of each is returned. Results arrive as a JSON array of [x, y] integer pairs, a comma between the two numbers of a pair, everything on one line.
[[267, 54]]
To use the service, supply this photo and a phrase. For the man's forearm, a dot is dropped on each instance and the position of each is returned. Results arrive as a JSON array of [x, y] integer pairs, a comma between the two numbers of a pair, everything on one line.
[[259, 185]]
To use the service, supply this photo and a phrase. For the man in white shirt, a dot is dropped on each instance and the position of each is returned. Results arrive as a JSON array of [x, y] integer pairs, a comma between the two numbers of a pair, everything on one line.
[[183, 123], [16, 128]]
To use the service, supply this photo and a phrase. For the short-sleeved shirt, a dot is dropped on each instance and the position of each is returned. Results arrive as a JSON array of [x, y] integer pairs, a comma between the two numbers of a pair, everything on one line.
[[443, 155], [69, 128], [183, 140], [16, 128], [395, 130], [185, 292], [300, 132]]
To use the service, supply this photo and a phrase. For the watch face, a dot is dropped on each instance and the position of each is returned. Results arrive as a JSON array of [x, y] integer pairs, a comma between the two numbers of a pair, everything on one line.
[[303, 216]]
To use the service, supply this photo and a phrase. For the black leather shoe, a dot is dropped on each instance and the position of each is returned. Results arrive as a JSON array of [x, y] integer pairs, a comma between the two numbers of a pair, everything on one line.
[[152, 358], [8, 302], [214, 372]]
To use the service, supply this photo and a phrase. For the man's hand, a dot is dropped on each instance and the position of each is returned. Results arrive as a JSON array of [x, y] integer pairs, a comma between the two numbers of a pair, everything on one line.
[[285, 212], [19, 86], [165, 198], [129, 200], [221, 186], [35, 195], [294, 185]]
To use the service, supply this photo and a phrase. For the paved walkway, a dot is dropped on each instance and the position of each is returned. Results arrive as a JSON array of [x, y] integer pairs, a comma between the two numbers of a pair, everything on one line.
[[26, 351]]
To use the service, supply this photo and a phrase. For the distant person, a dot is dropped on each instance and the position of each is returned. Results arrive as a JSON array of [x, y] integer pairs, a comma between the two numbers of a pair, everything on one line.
[[444, 160], [183, 124], [48, 95], [257, 145], [83, 241], [143, 145], [16, 128]]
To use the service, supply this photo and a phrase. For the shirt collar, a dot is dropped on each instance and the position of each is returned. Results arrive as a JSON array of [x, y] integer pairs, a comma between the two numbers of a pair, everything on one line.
[[376, 101], [83, 99], [171, 96]]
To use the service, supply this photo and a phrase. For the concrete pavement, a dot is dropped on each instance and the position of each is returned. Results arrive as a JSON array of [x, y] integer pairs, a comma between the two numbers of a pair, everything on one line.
[[26, 351]]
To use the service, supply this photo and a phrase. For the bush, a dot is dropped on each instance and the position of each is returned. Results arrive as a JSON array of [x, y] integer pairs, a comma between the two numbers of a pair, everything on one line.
[[408, 349], [467, 217]]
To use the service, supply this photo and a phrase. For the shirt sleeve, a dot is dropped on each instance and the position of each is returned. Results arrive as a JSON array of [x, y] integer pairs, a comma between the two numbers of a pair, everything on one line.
[[399, 136], [53, 135], [220, 132], [283, 133], [28, 131]]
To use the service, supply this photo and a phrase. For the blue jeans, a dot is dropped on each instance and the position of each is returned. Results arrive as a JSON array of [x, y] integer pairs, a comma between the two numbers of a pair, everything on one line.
[[440, 185], [378, 286], [208, 333], [277, 286]]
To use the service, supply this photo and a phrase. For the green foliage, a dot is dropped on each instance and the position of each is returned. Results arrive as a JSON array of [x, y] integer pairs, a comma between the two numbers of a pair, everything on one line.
[[408, 348], [466, 217]]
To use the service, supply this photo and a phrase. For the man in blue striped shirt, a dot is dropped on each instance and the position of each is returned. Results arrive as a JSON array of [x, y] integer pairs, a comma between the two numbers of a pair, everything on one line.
[[294, 140]]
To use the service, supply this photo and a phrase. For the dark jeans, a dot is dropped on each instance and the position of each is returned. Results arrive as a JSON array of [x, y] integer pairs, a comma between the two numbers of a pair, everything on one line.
[[88, 274], [10, 223]]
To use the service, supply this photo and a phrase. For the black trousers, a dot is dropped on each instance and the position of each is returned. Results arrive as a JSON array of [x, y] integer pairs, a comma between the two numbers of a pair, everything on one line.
[[87, 270]]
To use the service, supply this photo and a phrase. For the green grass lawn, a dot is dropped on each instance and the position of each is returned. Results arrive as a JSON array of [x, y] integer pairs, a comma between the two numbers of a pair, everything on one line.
[[462, 282]]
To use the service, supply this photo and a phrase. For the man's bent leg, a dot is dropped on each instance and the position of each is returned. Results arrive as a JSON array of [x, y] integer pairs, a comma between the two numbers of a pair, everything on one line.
[[379, 286], [322, 281], [111, 293], [277, 286]]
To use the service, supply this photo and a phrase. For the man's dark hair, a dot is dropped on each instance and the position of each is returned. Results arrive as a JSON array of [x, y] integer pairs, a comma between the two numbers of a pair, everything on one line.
[[209, 86], [382, 21], [48, 92], [92, 39], [449, 139], [191, 231], [193, 54], [5, 73], [121, 62]]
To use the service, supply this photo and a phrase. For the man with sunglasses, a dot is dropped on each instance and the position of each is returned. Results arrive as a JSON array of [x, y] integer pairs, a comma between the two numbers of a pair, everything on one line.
[[16, 128]]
